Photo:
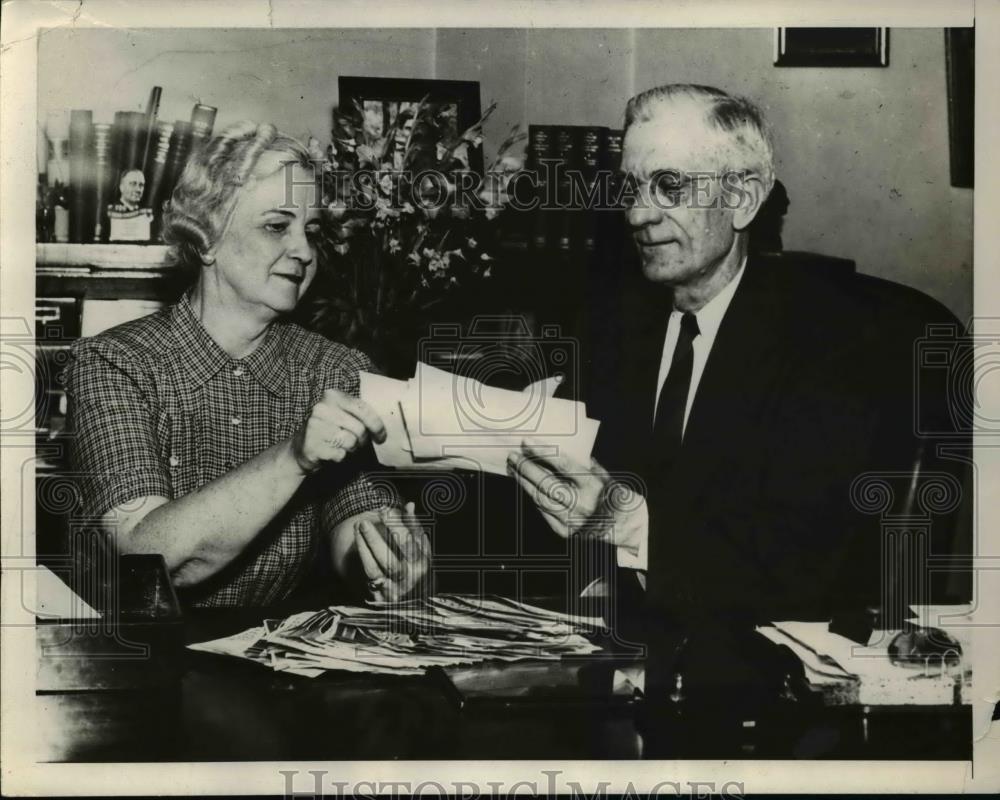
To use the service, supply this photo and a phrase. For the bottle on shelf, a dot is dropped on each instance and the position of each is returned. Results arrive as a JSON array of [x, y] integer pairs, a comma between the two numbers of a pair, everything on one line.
[[57, 172], [59, 200]]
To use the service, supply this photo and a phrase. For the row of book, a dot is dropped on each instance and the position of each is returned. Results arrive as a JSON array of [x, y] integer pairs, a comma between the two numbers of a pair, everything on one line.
[[108, 182], [576, 185]]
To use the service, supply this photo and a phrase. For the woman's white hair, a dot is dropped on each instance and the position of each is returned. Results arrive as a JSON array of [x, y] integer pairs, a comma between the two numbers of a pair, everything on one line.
[[203, 200]]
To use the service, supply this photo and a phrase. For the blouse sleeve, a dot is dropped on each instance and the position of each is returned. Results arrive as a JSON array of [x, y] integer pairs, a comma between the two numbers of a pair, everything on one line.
[[371, 487], [114, 452]]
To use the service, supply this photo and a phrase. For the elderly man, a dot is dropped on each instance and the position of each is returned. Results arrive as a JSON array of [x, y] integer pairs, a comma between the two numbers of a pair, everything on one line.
[[741, 403]]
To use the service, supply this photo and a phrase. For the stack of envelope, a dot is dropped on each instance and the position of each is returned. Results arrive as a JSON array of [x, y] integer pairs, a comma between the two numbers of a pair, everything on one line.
[[407, 638], [436, 420]]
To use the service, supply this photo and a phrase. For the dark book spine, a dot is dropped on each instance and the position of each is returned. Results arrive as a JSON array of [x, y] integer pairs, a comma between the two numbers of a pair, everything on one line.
[[81, 181], [567, 154], [612, 163], [611, 229], [592, 143], [202, 123], [540, 152], [103, 171]]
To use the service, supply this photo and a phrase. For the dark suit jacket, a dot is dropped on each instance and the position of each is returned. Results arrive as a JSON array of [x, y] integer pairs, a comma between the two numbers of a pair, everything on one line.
[[808, 385]]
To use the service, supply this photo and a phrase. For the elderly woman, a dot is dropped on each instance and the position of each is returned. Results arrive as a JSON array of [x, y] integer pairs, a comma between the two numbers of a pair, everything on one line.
[[219, 435]]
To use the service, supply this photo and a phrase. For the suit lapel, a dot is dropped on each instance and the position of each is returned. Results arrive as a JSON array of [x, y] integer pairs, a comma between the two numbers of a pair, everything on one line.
[[745, 358]]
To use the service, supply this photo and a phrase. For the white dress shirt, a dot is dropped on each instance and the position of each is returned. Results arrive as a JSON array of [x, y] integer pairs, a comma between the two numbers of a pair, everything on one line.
[[635, 524]]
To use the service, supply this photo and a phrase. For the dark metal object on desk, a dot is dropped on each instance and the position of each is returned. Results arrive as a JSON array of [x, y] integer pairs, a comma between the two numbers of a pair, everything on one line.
[[134, 644]]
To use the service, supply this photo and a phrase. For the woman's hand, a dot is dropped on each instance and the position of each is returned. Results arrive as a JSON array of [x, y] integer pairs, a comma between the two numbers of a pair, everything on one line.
[[395, 552], [337, 425]]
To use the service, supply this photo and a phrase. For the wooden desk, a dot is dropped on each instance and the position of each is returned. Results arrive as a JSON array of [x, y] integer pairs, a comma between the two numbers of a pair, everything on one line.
[[226, 709]]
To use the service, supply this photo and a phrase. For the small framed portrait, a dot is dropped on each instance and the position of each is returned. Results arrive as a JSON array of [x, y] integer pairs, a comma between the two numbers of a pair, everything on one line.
[[129, 221], [831, 47], [383, 99]]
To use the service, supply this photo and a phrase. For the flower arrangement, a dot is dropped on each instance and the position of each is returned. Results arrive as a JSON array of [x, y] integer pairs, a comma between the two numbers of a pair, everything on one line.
[[408, 226]]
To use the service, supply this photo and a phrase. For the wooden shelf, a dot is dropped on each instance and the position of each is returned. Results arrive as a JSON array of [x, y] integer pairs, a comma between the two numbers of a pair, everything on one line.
[[103, 256], [105, 271]]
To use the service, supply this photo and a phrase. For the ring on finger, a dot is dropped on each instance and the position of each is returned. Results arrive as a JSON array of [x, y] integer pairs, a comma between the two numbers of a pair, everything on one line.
[[376, 583], [337, 440]]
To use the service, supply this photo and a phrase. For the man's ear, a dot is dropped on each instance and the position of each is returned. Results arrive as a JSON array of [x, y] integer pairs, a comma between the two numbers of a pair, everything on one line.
[[749, 195]]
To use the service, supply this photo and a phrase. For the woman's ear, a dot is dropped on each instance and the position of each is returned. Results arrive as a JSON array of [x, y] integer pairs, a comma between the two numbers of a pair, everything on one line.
[[208, 257], [750, 197]]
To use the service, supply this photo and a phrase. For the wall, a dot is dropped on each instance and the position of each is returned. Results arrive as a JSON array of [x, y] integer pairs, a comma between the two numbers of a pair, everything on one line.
[[862, 152], [284, 76]]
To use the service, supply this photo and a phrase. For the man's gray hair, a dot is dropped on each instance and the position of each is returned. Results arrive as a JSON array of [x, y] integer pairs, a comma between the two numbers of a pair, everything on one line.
[[738, 117]]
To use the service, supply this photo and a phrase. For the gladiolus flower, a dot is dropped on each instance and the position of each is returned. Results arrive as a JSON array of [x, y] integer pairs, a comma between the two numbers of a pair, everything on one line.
[[315, 149]]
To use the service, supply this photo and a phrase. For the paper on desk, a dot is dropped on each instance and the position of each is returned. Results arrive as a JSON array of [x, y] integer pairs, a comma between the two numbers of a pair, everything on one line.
[[406, 638], [55, 600], [235, 645], [818, 670], [880, 681]]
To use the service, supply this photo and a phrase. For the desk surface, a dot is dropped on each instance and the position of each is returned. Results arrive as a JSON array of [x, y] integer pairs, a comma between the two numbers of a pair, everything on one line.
[[217, 708]]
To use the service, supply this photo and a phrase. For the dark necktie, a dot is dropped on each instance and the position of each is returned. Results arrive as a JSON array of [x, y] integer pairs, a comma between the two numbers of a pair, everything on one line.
[[666, 588], [668, 426]]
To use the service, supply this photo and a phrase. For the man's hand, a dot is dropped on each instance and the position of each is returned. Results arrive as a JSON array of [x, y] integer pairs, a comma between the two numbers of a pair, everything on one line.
[[395, 552], [576, 499], [337, 425]]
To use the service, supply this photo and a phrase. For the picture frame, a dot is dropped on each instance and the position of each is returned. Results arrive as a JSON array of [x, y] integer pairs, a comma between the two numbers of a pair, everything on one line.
[[831, 47], [383, 98], [960, 61]]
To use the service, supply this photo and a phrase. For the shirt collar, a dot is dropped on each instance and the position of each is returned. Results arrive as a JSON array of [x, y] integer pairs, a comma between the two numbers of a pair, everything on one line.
[[710, 315], [204, 357]]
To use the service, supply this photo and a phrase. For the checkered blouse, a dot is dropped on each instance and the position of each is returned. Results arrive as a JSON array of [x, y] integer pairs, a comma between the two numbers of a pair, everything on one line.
[[158, 408]]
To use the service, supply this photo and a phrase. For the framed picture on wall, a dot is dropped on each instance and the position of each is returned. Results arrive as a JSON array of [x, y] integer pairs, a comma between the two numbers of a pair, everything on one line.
[[382, 99], [960, 56], [831, 47]]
